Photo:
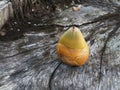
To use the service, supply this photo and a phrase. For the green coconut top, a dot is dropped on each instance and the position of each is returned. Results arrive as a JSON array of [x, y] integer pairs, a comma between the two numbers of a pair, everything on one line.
[[73, 38]]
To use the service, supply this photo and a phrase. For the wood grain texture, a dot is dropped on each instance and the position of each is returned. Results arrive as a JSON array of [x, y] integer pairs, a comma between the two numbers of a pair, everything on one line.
[[31, 63]]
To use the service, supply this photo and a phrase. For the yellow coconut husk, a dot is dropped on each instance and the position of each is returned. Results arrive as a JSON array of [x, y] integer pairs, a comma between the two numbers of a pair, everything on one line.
[[73, 38]]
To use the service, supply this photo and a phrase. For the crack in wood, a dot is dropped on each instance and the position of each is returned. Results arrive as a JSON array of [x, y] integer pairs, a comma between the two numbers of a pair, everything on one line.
[[52, 75], [101, 18], [28, 51], [110, 35]]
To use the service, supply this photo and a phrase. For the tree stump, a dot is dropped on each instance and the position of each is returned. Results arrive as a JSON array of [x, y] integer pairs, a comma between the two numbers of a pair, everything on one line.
[[31, 63]]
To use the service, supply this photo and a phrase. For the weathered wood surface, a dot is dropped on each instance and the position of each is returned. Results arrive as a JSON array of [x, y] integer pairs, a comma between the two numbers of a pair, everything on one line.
[[5, 12], [31, 63]]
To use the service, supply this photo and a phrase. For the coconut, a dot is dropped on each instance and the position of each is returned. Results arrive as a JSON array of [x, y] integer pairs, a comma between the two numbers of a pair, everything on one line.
[[73, 38]]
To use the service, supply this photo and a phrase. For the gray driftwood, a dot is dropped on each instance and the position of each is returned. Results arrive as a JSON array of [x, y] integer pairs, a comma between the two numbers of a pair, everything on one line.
[[31, 63]]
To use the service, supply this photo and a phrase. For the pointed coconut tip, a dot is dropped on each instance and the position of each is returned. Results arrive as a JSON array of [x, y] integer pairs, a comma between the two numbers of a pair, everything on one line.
[[73, 38], [74, 29]]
